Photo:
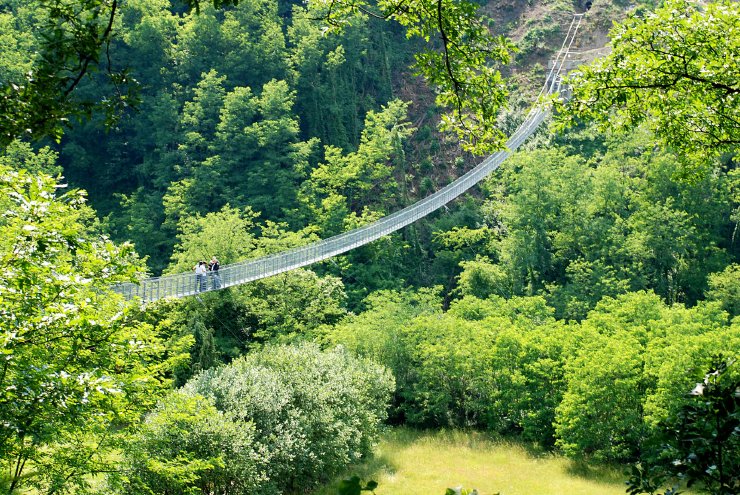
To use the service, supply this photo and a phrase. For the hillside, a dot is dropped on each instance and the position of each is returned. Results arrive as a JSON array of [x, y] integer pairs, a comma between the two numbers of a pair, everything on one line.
[[578, 313]]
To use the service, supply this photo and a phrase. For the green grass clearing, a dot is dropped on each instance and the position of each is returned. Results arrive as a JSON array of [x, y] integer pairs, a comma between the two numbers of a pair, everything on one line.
[[410, 462]]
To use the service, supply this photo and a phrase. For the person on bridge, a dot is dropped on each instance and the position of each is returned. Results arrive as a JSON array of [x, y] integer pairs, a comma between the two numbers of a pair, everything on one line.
[[213, 266], [201, 272]]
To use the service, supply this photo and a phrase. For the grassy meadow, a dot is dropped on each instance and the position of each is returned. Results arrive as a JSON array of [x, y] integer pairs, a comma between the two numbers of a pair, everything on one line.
[[410, 462]]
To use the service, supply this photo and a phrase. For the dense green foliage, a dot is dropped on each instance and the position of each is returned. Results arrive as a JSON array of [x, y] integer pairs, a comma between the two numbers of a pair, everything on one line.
[[591, 217], [186, 445], [597, 389], [573, 301], [77, 368], [274, 421], [40, 92]]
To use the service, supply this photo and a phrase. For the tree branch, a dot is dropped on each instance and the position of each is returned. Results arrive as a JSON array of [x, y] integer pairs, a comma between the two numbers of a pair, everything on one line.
[[90, 57], [457, 86]]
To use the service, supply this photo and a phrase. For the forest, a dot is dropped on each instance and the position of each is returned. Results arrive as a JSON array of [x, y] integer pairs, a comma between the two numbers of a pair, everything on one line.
[[583, 300]]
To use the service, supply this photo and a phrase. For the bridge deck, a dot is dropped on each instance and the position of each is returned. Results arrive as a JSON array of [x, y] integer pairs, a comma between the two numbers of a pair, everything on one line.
[[184, 284]]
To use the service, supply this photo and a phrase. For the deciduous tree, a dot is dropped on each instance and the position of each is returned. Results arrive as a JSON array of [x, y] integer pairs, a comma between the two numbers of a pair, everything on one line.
[[674, 69], [76, 368]]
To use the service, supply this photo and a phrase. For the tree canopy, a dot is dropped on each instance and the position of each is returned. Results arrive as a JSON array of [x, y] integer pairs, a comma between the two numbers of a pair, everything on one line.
[[77, 368], [461, 60], [676, 70]]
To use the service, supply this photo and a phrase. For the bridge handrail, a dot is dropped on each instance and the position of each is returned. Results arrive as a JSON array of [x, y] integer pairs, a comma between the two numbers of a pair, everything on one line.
[[187, 284]]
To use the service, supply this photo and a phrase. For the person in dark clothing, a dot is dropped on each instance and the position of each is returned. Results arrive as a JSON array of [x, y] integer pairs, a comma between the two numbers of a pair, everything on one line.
[[214, 266]]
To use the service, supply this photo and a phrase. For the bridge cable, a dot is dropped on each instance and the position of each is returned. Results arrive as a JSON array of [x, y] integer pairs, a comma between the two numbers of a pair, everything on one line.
[[185, 284]]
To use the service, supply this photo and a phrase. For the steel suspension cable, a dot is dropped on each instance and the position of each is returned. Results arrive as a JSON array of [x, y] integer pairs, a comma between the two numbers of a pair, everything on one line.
[[186, 284]]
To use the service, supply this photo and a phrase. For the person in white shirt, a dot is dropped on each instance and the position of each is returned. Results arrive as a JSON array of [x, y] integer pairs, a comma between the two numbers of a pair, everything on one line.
[[200, 276]]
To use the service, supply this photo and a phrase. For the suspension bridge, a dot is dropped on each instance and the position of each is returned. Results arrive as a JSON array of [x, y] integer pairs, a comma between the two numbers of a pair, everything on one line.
[[187, 284]]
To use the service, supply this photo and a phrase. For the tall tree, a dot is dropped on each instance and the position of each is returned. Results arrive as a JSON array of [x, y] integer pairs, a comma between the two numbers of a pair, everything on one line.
[[77, 369], [676, 69], [226, 234], [258, 154], [364, 179]]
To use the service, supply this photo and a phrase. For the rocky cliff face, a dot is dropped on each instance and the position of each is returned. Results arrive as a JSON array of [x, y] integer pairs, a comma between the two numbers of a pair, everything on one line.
[[538, 26]]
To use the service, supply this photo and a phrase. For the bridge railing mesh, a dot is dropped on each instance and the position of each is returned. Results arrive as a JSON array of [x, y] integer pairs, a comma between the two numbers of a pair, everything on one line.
[[188, 284]]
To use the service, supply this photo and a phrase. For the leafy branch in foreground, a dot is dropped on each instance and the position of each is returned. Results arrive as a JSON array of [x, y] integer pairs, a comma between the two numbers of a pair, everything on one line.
[[699, 447], [354, 486], [460, 61], [71, 37], [75, 367], [676, 70], [73, 40]]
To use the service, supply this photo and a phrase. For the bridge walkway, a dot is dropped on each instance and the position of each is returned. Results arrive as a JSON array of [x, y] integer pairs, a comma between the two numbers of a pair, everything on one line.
[[185, 284]]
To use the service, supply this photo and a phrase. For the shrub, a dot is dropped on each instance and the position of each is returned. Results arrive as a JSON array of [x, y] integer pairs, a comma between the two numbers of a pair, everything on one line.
[[724, 287], [600, 415], [187, 446], [313, 412], [632, 374], [377, 333], [490, 363], [281, 419]]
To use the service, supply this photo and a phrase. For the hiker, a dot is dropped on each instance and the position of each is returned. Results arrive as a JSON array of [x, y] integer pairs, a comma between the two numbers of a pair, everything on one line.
[[214, 265], [201, 272]]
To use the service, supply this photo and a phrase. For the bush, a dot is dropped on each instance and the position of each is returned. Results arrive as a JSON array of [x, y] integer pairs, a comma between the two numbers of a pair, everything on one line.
[[314, 412], [448, 381], [187, 446], [377, 333], [724, 287], [281, 419], [491, 363], [600, 415], [633, 372]]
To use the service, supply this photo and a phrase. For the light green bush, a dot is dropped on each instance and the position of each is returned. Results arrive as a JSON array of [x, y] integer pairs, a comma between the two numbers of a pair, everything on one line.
[[600, 415], [187, 446], [724, 287], [492, 363], [278, 420], [633, 372], [313, 412]]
